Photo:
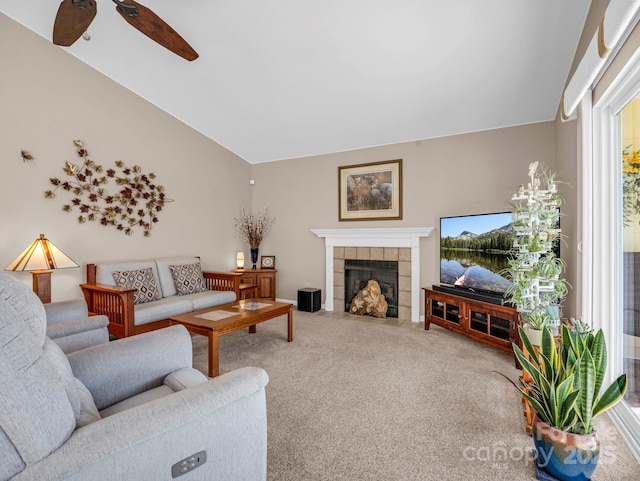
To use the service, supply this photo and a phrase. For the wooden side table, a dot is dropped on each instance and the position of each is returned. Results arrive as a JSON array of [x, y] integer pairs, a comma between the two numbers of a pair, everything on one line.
[[264, 279], [529, 412], [248, 291]]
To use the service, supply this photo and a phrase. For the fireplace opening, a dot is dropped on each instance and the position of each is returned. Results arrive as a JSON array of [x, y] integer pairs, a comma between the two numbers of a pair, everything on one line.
[[358, 272]]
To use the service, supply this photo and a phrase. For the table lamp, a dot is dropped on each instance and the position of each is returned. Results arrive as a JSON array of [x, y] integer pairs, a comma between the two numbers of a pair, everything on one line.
[[240, 260], [41, 257]]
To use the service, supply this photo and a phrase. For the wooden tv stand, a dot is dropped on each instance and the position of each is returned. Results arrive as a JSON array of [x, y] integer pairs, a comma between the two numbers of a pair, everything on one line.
[[491, 324]]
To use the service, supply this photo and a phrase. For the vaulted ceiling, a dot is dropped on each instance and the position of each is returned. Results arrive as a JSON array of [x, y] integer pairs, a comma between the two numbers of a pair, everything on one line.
[[278, 79]]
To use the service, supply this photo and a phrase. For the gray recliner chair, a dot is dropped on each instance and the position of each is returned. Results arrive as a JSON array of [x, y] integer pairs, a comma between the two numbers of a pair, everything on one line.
[[131, 409], [70, 326]]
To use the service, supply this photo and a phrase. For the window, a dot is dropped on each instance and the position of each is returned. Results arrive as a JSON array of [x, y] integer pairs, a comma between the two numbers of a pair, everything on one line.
[[611, 204], [629, 328]]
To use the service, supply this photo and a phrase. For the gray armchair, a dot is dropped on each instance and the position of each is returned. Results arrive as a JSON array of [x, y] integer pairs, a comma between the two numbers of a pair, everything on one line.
[[70, 326], [131, 409]]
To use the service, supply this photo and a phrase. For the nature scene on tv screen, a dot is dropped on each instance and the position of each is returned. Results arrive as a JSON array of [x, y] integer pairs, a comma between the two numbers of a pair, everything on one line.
[[474, 251]]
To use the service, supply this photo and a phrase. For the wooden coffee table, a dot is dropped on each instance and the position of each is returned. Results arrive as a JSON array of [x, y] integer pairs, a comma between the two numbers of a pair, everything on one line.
[[218, 321]]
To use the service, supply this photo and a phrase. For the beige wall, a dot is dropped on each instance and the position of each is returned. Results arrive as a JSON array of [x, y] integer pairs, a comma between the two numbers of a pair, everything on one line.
[[465, 174], [569, 153], [570, 188], [47, 99]]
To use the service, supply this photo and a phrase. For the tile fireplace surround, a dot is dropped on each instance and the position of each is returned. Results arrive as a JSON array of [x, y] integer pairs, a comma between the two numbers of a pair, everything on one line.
[[401, 244]]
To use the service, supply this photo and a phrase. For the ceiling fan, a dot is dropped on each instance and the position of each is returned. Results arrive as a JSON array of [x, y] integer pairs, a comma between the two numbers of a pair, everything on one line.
[[75, 16]]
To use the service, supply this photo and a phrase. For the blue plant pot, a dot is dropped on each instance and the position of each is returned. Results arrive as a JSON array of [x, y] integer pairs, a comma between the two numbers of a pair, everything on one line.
[[566, 456]]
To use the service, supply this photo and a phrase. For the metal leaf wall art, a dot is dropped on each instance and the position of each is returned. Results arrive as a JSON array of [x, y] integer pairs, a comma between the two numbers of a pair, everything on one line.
[[26, 156], [136, 204]]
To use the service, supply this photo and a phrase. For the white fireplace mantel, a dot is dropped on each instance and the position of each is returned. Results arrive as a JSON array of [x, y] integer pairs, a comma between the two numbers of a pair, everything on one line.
[[376, 237]]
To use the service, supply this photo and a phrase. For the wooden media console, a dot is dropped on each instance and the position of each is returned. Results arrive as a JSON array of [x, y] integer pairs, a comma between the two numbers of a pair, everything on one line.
[[492, 324]]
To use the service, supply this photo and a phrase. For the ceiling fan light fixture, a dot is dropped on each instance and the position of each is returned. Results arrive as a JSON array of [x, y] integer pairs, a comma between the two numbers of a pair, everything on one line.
[[126, 8], [74, 17], [82, 4]]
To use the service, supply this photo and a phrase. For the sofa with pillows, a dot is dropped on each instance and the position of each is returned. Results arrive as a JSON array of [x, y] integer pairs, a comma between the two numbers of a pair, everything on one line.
[[140, 296], [89, 416]]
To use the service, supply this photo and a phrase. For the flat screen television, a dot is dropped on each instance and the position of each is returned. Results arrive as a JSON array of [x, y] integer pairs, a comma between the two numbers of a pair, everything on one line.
[[474, 251]]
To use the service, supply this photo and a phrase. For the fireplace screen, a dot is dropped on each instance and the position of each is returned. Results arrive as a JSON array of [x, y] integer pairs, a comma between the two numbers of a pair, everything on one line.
[[358, 272]]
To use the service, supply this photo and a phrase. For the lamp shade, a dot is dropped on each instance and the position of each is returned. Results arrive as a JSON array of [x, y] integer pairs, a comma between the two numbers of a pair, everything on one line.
[[41, 255], [240, 260]]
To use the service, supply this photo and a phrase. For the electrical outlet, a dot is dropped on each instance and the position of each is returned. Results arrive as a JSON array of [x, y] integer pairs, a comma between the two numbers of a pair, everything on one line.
[[188, 464]]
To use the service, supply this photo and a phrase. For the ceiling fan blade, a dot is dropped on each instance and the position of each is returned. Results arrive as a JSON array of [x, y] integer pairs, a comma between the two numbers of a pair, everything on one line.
[[72, 20], [155, 28]]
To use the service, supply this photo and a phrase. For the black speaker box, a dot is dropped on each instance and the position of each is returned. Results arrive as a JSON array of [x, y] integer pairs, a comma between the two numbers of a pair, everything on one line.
[[309, 299]]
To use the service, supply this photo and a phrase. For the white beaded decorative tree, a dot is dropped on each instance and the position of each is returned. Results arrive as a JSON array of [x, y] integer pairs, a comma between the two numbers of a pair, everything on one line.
[[534, 269]]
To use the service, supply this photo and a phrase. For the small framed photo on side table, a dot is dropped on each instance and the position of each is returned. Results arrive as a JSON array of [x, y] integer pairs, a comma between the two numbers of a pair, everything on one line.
[[267, 262]]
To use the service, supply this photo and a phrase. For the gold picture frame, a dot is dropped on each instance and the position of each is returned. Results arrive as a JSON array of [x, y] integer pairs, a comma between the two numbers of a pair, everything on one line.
[[370, 191]]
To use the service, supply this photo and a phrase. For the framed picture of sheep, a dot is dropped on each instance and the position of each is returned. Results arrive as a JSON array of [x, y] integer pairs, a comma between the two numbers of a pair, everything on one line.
[[370, 191]]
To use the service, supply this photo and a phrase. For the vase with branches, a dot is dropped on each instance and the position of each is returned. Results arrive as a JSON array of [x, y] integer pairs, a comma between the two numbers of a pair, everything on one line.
[[252, 229]]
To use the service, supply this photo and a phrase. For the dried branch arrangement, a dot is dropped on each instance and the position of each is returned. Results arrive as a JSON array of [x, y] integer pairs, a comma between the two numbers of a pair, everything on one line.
[[252, 229], [137, 203]]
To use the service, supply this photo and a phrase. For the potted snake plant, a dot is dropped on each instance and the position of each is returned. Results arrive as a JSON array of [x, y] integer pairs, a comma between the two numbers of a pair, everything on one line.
[[564, 389]]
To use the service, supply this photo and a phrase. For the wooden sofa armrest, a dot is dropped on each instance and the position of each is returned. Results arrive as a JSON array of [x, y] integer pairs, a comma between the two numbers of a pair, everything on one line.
[[223, 281], [115, 302]]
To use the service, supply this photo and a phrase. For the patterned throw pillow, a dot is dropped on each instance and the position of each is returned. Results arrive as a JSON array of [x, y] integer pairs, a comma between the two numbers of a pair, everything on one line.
[[188, 279], [142, 280]]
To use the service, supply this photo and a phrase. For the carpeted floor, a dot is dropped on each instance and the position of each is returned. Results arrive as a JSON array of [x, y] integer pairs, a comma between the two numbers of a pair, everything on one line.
[[352, 398]]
